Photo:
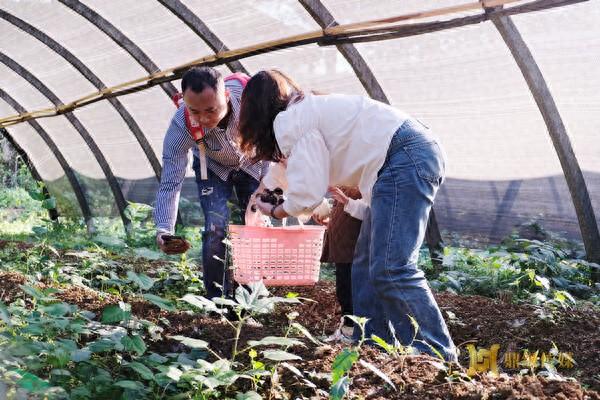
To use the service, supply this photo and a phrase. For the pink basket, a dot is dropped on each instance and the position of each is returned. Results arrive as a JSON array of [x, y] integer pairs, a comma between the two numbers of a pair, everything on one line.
[[279, 256]]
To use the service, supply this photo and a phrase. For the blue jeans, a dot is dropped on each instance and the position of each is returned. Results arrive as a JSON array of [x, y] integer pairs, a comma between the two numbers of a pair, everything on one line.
[[214, 195], [387, 284]]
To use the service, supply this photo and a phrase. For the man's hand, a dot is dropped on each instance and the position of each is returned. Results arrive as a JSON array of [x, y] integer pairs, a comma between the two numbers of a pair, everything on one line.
[[160, 242], [172, 244]]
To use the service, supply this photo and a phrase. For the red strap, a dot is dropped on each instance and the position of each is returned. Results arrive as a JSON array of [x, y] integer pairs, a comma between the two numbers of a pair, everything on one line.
[[177, 99], [195, 129]]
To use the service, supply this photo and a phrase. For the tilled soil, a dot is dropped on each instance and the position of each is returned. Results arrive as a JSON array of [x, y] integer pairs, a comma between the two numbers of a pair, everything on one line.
[[475, 319]]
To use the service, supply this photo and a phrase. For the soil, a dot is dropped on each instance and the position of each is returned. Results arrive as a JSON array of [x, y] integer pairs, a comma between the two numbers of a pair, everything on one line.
[[18, 245], [471, 319], [9, 286], [87, 299]]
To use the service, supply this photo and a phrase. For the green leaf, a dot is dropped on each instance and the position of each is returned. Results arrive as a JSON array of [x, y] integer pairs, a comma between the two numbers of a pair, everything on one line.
[[252, 299], [39, 196], [49, 203], [377, 372], [4, 314], [57, 309], [250, 395], [40, 230], [157, 358], [31, 382], [142, 280], [147, 253], [414, 324], [280, 355], [383, 344], [101, 345], [359, 321], [81, 393], [160, 302], [542, 281], [193, 343], [201, 302], [32, 291], [224, 302], [564, 295], [275, 340], [80, 355], [132, 385], [141, 369], [174, 373], [293, 369], [60, 357], [339, 388], [116, 313], [60, 372], [342, 364], [109, 241], [137, 211], [306, 333], [134, 344]]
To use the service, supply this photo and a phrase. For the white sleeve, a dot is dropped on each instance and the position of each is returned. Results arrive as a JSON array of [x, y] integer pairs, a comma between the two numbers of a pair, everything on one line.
[[307, 174], [275, 176], [356, 208]]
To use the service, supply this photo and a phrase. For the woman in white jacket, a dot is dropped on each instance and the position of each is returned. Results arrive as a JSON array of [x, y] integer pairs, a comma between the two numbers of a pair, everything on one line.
[[342, 140]]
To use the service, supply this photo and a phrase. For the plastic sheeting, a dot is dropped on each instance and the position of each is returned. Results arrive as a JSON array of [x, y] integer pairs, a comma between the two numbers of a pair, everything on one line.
[[502, 168]]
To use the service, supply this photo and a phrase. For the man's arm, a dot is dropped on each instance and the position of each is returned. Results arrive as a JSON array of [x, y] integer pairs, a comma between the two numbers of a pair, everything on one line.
[[176, 146]]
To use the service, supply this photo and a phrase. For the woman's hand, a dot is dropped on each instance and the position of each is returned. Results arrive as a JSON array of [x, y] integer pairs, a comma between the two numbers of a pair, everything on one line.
[[320, 220], [262, 206], [338, 195]]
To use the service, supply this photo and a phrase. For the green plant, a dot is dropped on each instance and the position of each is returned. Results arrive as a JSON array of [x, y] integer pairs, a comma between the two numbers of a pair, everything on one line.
[[534, 271], [143, 231], [340, 378]]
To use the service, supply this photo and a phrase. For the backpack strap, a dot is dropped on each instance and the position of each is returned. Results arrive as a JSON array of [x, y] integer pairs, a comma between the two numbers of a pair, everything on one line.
[[238, 76]]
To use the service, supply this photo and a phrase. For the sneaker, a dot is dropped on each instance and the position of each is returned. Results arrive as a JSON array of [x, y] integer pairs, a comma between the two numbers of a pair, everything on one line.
[[342, 334], [347, 331]]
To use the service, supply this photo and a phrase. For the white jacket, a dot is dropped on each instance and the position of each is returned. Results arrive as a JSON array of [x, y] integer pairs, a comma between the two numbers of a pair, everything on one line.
[[331, 140]]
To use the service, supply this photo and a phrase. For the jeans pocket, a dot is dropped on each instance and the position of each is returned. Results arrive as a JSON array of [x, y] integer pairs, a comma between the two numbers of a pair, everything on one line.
[[428, 160]]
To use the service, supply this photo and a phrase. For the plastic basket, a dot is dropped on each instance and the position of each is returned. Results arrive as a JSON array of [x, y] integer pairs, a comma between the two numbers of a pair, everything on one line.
[[279, 256]]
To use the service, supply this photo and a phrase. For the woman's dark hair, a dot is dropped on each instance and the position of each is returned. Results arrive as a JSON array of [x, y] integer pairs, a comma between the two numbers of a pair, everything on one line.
[[266, 95]]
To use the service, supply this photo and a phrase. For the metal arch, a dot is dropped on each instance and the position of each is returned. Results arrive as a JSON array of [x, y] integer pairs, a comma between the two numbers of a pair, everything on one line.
[[558, 134], [124, 42], [93, 79], [119, 38], [43, 89], [52, 212], [75, 184], [201, 29], [323, 17]]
